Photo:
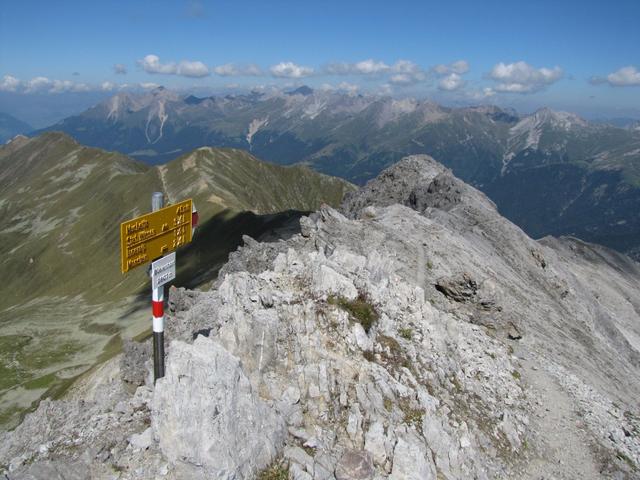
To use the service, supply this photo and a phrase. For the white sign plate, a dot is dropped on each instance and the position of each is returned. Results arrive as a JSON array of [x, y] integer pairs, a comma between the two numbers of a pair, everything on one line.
[[163, 270]]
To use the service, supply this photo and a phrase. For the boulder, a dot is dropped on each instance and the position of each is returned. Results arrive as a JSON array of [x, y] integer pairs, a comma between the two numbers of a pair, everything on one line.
[[205, 412]]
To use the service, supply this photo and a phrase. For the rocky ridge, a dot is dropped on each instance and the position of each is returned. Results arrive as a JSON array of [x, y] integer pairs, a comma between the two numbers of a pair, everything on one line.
[[413, 334]]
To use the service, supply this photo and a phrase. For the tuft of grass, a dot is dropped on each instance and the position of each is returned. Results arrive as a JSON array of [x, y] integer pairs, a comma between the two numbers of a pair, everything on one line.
[[406, 333], [392, 345], [278, 470], [456, 384], [516, 374], [360, 310], [369, 356], [622, 456], [412, 416], [388, 404], [429, 264]]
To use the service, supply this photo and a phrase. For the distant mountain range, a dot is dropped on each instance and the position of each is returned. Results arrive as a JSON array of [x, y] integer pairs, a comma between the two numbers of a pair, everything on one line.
[[63, 299], [10, 127], [549, 172]]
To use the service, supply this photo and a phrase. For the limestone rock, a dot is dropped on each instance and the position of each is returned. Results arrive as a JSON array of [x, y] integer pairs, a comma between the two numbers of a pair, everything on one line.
[[411, 460], [355, 465], [142, 440], [460, 288], [264, 369], [132, 363], [206, 413]]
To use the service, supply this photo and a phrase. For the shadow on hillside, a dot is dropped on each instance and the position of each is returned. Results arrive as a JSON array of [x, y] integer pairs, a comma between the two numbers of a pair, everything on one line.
[[199, 262]]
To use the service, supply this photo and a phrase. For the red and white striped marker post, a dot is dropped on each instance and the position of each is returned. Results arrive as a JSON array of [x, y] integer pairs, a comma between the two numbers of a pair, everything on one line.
[[157, 309], [163, 269]]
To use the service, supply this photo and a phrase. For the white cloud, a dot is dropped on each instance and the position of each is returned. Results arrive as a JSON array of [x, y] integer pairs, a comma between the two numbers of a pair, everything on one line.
[[451, 75], [401, 79], [151, 64], [233, 70], [119, 69], [365, 67], [520, 77], [488, 92], [60, 86], [290, 70], [187, 68], [385, 89], [403, 72], [369, 67], [460, 67], [148, 85], [9, 84], [41, 85], [348, 87], [624, 77], [195, 69], [37, 84], [108, 86], [373, 67], [406, 73], [451, 82]]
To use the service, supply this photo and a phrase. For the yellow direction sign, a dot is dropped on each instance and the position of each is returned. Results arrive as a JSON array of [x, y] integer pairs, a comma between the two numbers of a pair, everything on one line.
[[150, 236]]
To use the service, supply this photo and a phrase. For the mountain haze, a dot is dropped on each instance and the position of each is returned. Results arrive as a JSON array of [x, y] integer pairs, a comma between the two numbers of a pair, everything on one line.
[[550, 172], [11, 126], [63, 298]]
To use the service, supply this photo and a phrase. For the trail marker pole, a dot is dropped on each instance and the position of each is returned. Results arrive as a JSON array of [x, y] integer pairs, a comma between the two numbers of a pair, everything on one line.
[[154, 237], [157, 308]]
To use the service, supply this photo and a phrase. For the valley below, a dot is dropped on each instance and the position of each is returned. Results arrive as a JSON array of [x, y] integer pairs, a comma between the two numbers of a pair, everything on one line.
[[550, 172]]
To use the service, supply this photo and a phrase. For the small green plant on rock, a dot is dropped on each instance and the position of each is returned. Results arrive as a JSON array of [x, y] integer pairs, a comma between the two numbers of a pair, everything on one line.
[[412, 416], [406, 333], [369, 356], [622, 456], [360, 309], [278, 470]]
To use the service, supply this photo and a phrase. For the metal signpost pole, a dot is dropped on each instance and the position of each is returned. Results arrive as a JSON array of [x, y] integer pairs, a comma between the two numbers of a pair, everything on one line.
[[157, 307], [154, 237]]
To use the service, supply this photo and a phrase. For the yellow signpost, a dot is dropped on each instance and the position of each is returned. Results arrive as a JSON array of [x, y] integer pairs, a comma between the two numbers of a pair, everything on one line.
[[155, 234]]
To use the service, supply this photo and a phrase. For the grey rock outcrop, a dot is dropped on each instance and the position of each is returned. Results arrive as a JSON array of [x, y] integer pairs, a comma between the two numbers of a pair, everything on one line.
[[414, 334], [205, 413]]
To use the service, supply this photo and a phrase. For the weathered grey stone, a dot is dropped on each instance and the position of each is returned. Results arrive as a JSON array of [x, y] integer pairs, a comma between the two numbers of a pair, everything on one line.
[[326, 281], [205, 412], [460, 288], [296, 472], [362, 339], [355, 465], [142, 440], [374, 442], [411, 460], [299, 456], [132, 363], [52, 470]]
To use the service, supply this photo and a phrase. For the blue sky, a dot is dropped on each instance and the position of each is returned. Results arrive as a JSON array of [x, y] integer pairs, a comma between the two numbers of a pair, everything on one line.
[[578, 55]]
